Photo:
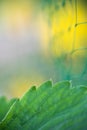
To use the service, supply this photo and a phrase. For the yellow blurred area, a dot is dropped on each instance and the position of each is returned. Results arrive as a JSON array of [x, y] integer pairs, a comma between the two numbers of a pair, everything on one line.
[[63, 29], [16, 14], [22, 84], [56, 30], [19, 14]]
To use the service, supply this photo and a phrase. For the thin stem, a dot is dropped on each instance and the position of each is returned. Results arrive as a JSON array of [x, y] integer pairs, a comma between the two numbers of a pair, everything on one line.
[[76, 10], [80, 23], [74, 37], [79, 49]]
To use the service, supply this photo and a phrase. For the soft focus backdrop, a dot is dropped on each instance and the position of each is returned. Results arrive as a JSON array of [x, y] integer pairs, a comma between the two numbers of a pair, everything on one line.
[[41, 40]]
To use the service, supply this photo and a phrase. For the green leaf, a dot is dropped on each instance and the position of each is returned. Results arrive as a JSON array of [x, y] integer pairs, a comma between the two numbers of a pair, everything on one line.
[[49, 107], [4, 106]]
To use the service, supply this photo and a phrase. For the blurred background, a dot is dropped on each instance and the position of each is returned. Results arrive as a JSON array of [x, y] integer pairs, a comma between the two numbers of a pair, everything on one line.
[[42, 40]]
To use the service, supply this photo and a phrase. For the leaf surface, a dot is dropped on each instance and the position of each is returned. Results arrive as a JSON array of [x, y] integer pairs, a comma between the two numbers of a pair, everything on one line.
[[49, 107]]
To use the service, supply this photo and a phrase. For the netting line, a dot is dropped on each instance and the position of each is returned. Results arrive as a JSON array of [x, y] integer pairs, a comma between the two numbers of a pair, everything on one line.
[[73, 51], [76, 24]]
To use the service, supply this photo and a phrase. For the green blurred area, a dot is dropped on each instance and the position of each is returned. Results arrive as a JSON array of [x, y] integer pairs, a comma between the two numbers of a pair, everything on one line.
[[37, 64]]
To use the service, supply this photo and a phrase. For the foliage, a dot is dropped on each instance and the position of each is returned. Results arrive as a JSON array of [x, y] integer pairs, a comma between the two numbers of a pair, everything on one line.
[[5, 106], [49, 107]]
